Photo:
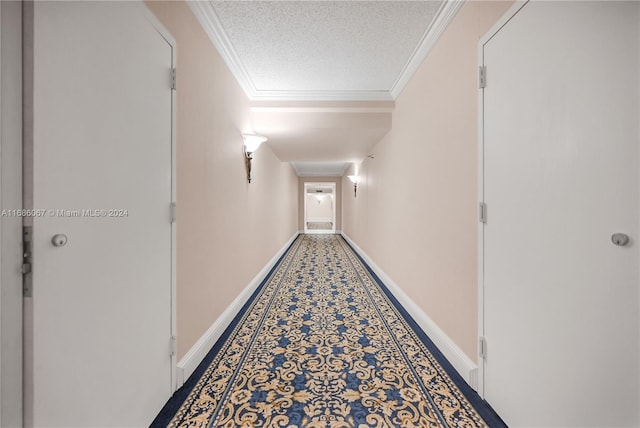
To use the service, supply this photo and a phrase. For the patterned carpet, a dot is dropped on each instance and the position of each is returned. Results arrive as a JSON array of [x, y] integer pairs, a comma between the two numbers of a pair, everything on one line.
[[319, 226], [322, 344]]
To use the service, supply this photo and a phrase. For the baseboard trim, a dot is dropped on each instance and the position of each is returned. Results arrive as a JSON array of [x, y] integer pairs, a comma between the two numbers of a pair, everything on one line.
[[320, 220], [190, 361], [452, 352]]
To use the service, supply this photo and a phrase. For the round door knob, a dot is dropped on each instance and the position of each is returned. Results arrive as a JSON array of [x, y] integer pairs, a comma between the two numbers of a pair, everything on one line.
[[620, 239], [59, 240]]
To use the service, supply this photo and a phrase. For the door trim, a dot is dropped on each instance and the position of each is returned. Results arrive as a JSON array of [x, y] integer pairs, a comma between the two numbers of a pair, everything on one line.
[[11, 344], [517, 6], [162, 30], [335, 203]]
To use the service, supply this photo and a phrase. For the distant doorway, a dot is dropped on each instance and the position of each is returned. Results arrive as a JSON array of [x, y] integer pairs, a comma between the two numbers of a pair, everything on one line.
[[319, 207]]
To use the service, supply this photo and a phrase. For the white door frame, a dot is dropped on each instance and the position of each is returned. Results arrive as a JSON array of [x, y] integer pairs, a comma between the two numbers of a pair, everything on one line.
[[484, 40], [174, 331], [11, 199], [335, 202]]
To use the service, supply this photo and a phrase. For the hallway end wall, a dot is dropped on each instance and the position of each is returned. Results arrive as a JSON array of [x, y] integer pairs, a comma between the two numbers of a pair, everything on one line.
[[338, 198], [415, 213], [227, 229]]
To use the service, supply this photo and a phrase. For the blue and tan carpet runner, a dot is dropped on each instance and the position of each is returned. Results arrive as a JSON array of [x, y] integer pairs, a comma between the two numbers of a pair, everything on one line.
[[323, 344]]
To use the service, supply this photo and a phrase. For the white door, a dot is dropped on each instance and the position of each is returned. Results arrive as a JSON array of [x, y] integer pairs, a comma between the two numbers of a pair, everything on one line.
[[102, 158], [561, 301]]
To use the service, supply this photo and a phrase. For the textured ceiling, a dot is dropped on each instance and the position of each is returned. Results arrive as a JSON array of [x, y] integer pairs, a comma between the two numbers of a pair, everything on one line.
[[323, 75], [324, 45]]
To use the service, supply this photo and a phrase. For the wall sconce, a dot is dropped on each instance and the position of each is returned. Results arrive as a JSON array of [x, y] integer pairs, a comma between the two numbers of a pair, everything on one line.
[[319, 197], [354, 180], [251, 144]]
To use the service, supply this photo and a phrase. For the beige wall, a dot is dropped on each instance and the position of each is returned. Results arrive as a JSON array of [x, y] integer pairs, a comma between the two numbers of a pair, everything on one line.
[[227, 229], [320, 209], [416, 210], [338, 198]]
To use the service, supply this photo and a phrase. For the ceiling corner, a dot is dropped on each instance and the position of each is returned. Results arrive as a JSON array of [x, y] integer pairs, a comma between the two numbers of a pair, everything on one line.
[[429, 39], [261, 95], [208, 19], [295, 168]]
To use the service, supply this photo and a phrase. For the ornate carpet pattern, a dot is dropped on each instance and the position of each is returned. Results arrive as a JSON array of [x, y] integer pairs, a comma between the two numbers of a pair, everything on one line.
[[319, 226], [321, 345]]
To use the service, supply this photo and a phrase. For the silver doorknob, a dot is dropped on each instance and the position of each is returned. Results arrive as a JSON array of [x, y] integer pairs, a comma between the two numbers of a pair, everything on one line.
[[59, 240], [620, 239]]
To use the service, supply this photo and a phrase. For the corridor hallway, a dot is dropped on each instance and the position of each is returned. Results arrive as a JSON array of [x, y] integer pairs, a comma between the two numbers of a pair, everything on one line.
[[322, 344]]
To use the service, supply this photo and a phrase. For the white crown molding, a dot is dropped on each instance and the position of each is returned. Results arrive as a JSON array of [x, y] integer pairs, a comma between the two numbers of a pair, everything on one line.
[[321, 175], [322, 109], [295, 168], [328, 172], [208, 19], [321, 95], [430, 37]]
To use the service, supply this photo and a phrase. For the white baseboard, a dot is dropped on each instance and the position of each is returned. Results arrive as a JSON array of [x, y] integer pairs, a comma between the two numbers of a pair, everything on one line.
[[452, 352], [339, 232], [320, 220], [190, 361]]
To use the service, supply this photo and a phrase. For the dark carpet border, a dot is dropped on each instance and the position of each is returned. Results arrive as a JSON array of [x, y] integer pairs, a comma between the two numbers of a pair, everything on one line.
[[482, 407], [173, 405]]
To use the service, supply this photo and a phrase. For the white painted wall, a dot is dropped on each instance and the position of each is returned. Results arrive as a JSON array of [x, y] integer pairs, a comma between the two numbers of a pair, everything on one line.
[[319, 207]]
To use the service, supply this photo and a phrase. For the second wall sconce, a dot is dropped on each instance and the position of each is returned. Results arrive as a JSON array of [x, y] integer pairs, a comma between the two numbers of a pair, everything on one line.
[[251, 144], [354, 180]]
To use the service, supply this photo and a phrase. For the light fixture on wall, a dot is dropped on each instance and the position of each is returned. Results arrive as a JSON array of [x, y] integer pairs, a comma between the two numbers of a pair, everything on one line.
[[354, 180], [251, 144]]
